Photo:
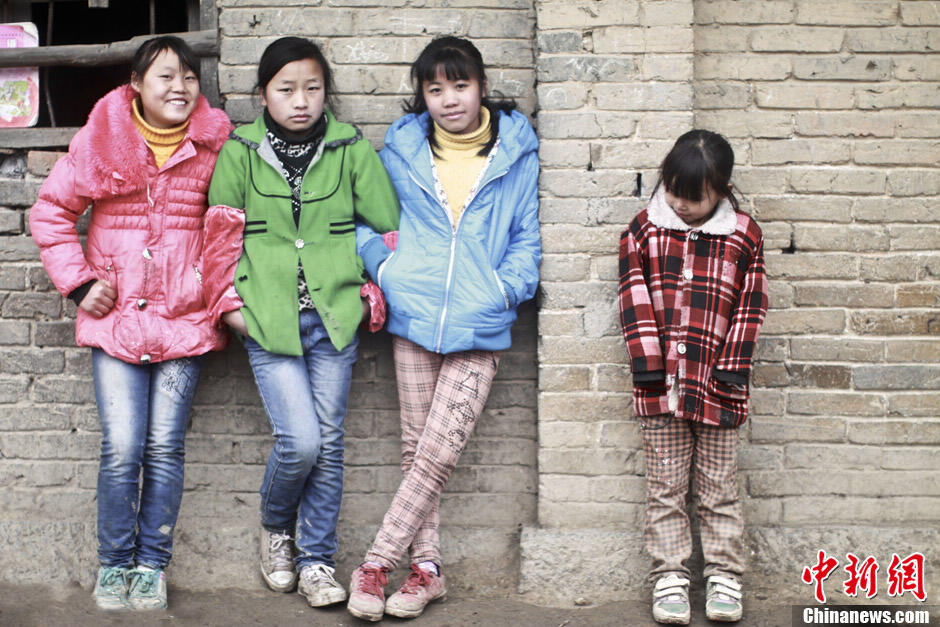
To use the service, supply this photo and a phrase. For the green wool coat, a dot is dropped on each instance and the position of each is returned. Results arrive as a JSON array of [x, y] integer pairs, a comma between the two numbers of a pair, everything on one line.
[[344, 183]]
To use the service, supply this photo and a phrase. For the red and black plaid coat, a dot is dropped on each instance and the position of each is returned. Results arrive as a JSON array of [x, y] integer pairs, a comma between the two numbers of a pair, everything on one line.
[[691, 304]]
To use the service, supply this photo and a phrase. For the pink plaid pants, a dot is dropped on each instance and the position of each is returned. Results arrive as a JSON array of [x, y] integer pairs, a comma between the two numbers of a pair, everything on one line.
[[441, 397]]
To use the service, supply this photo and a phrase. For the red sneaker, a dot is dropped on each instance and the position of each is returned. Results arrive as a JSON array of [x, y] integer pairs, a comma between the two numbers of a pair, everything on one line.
[[420, 588], [366, 593]]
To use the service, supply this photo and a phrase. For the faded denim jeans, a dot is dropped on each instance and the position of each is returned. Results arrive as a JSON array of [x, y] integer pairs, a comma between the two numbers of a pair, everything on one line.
[[144, 410], [305, 399]]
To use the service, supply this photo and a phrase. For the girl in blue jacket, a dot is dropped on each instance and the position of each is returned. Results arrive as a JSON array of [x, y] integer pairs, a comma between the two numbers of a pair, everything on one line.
[[466, 170]]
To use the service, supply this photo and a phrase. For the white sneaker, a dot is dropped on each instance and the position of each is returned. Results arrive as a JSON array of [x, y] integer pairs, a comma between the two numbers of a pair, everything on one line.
[[723, 599], [319, 586], [277, 561], [671, 600]]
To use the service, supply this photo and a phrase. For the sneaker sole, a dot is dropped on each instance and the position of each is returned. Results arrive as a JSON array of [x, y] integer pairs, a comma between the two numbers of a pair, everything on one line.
[[147, 606], [323, 602], [279, 587], [403, 613], [672, 619], [365, 615], [110, 604], [722, 617]]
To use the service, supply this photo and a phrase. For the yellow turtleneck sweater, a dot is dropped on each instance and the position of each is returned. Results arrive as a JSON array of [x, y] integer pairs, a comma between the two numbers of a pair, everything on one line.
[[458, 163], [162, 141]]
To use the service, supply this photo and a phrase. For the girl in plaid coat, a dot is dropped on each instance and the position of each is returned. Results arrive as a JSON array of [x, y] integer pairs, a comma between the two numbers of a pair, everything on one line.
[[693, 295]]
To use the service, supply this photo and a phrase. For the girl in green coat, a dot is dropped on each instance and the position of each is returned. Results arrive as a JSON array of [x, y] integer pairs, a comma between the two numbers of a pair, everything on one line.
[[286, 193]]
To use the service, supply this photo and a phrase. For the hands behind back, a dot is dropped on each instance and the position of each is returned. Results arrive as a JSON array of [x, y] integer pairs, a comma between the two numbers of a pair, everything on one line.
[[236, 320]]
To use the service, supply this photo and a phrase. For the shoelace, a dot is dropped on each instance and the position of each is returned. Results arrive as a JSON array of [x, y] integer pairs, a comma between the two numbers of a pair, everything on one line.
[[319, 573], [112, 577], [417, 579], [372, 581], [143, 582], [279, 548]]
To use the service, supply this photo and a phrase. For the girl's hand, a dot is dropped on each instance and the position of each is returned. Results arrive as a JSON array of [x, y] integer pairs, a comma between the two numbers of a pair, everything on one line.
[[366, 311], [99, 300], [236, 321]]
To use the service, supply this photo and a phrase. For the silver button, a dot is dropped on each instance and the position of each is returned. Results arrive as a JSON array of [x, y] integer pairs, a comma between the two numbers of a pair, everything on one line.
[[687, 273], [681, 348], [147, 254], [693, 235], [299, 244], [145, 358], [141, 303]]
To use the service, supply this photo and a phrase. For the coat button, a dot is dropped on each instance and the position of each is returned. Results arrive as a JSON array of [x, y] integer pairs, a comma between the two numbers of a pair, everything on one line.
[[147, 254], [299, 243], [693, 235], [681, 348], [687, 273], [145, 358], [141, 303]]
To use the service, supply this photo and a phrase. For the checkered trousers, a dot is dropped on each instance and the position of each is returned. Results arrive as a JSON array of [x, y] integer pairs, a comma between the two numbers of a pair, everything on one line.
[[675, 447], [441, 397]]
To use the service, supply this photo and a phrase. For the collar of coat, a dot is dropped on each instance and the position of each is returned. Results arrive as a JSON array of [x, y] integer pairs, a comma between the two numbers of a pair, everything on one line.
[[109, 150], [722, 222], [337, 133]]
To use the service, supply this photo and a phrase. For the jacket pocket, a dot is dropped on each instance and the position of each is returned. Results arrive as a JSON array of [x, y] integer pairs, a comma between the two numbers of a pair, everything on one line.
[[725, 392], [184, 292], [502, 289]]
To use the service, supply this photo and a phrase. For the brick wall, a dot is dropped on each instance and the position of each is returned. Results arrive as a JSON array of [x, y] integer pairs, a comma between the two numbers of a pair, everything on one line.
[[832, 111], [49, 435]]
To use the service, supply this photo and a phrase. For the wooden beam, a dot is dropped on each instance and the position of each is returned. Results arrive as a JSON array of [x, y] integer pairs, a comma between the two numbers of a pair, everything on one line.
[[37, 137], [204, 43]]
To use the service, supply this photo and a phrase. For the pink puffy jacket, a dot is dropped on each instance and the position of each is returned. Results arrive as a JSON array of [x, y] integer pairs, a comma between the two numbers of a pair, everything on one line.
[[145, 235]]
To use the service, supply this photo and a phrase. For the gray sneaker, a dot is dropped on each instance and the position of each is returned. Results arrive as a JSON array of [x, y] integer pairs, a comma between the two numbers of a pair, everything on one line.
[[671, 600], [111, 588], [277, 561], [146, 589], [319, 586]]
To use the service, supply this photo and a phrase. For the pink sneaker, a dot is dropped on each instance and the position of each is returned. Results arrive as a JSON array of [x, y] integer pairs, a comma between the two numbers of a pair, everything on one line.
[[420, 588], [366, 593]]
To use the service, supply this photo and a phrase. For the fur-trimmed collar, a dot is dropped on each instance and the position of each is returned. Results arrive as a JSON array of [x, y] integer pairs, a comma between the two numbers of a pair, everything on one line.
[[722, 222], [108, 150]]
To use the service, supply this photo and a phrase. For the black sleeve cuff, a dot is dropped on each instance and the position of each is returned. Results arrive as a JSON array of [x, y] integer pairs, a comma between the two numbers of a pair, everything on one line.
[[730, 378], [651, 376], [80, 292]]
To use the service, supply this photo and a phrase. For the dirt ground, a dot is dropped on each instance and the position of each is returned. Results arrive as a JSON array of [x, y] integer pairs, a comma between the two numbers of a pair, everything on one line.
[[73, 607]]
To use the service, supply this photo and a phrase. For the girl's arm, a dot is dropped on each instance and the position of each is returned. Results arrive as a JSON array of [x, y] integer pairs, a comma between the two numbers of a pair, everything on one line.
[[52, 224], [519, 269], [223, 232], [369, 243], [636, 315], [734, 361]]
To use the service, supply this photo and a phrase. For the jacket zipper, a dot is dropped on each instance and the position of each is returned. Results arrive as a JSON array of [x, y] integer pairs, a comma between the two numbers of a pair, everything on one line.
[[453, 245]]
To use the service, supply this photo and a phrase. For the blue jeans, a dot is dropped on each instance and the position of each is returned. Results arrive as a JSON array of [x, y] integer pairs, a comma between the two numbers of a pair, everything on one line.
[[144, 410], [305, 400]]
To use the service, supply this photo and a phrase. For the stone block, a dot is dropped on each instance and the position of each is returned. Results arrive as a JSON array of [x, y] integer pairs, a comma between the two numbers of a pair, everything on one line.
[[919, 13], [923, 350], [797, 429], [896, 377], [845, 123], [851, 13], [894, 431], [568, 15], [894, 323], [896, 39], [643, 97], [744, 12], [743, 67], [918, 403], [834, 180], [795, 39]]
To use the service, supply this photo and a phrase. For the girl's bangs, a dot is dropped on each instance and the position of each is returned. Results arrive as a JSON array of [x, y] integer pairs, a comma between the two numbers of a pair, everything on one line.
[[685, 180], [452, 63]]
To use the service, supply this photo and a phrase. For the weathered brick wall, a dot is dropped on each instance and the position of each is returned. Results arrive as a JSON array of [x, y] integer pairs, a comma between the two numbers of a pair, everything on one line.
[[49, 435], [832, 110]]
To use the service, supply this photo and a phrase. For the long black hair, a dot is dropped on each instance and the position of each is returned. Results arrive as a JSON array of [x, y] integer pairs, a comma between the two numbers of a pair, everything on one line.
[[148, 52], [698, 157], [287, 50], [458, 59]]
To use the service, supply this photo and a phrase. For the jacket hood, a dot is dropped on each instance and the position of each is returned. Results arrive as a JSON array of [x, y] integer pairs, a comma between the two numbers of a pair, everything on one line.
[[337, 133], [109, 146], [407, 136]]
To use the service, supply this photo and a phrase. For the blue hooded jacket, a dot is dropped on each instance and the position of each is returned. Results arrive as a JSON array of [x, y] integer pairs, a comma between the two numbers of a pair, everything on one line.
[[455, 289]]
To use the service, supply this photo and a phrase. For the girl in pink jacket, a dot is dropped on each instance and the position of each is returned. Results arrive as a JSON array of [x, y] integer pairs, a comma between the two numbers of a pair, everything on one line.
[[143, 161]]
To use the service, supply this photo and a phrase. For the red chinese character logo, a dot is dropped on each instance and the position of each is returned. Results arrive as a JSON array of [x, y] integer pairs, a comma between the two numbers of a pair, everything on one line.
[[862, 575], [907, 575], [819, 573]]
